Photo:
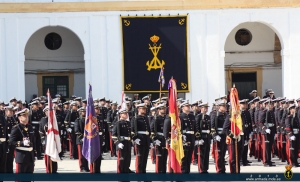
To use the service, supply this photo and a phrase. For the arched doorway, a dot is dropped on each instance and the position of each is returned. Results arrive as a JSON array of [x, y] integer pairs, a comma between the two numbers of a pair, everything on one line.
[[54, 59], [253, 59]]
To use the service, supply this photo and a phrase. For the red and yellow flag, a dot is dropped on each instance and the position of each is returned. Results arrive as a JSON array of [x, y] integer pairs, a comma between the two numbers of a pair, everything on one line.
[[236, 120], [176, 149]]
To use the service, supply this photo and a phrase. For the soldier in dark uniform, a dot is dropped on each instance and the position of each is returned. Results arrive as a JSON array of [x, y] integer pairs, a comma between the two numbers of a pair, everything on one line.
[[247, 126], [253, 94], [108, 104], [147, 101], [136, 102], [79, 131], [104, 111], [230, 141], [292, 125], [158, 139], [281, 130], [203, 138], [153, 114], [136, 97], [13, 101], [140, 134], [34, 119], [121, 136], [51, 166], [195, 111], [217, 122], [78, 100], [258, 107], [268, 128], [3, 144], [84, 103], [2, 111], [22, 137], [71, 116], [253, 133], [10, 123], [97, 163], [65, 143], [188, 134], [111, 118]]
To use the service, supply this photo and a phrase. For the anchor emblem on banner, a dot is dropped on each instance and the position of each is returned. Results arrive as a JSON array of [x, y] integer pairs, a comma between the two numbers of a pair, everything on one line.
[[155, 63]]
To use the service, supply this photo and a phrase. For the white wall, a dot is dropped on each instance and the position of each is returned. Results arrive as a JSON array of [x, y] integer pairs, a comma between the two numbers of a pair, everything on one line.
[[70, 56], [272, 78], [100, 34]]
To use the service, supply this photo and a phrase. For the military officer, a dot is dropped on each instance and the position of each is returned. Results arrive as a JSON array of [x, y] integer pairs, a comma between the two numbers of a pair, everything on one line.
[[22, 137], [13, 101], [79, 131], [219, 136], [2, 105], [140, 134], [121, 136], [136, 102], [111, 118], [268, 126], [146, 100], [34, 118], [51, 166], [152, 116], [84, 103], [136, 97], [247, 125], [104, 111], [3, 144], [202, 137], [281, 129], [258, 108], [195, 111], [292, 125], [71, 116], [188, 133], [10, 123], [78, 100], [158, 139], [97, 163], [253, 133]]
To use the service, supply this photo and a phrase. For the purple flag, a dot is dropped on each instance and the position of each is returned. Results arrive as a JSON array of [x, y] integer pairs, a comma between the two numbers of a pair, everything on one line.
[[91, 141]]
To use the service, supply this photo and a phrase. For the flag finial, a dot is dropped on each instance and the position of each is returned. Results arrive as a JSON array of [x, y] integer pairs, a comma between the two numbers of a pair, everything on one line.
[[234, 85]]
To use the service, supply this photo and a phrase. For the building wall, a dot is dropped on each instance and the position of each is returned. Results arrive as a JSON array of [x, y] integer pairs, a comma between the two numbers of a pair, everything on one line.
[[100, 35]]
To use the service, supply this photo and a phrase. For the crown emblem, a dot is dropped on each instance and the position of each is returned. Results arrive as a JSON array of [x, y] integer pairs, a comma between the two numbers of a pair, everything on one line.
[[154, 38], [288, 167]]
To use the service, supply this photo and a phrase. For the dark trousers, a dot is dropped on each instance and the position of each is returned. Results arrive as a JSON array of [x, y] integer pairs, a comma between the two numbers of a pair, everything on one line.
[[74, 149], [293, 150], [124, 158], [267, 141], [220, 151], [187, 159], [203, 164], [51, 166], [97, 165], [25, 167], [37, 141], [233, 163], [195, 155], [161, 159], [245, 154], [252, 145], [10, 159], [2, 160], [83, 163], [258, 146], [107, 138], [282, 147], [142, 152]]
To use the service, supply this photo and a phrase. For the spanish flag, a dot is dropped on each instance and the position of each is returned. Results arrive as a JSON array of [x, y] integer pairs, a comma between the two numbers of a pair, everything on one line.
[[176, 149], [236, 119]]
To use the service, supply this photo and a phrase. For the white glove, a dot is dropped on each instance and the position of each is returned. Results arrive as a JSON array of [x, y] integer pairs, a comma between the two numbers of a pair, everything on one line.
[[35, 159], [184, 138], [218, 138], [69, 130], [268, 131], [201, 142], [26, 142], [292, 137], [81, 140], [151, 145], [137, 141], [196, 142], [157, 142], [246, 143], [120, 145], [44, 142], [239, 138], [103, 143]]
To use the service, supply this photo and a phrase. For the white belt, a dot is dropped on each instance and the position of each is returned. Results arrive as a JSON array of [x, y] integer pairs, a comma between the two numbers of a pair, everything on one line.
[[160, 133], [71, 125], [206, 131], [220, 128], [33, 127], [8, 134], [35, 122], [2, 139], [296, 131], [25, 148], [143, 132], [100, 133], [72, 122], [270, 124], [190, 132], [125, 138]]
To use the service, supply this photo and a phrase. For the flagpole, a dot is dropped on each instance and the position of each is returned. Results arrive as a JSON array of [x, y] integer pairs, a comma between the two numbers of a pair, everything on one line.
[[160, 91]]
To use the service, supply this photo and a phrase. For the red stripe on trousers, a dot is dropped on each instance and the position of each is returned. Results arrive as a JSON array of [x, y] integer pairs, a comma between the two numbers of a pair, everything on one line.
[[217, 157], [118, 161], [199, 160], [157, 160], [136, 159]]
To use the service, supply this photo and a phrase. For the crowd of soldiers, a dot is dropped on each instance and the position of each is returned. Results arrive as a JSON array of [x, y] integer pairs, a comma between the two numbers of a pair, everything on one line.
[[270, 128]]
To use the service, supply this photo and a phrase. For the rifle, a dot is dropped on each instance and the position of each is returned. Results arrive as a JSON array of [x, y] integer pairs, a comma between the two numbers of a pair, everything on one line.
[[200, 129], [292, 124], [109, 123]]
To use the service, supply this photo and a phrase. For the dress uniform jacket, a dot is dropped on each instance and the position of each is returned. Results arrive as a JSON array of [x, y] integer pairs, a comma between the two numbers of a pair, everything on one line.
[[3, 144], [292, 127], [247, 124], [79, 131], [25, 155], [69, 122], [10, 123]]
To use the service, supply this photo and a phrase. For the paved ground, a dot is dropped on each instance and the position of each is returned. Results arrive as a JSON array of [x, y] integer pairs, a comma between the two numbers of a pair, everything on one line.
[[109, 166]]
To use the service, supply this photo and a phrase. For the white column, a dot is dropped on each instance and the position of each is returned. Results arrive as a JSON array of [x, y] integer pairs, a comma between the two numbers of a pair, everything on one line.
[[21, 77]]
